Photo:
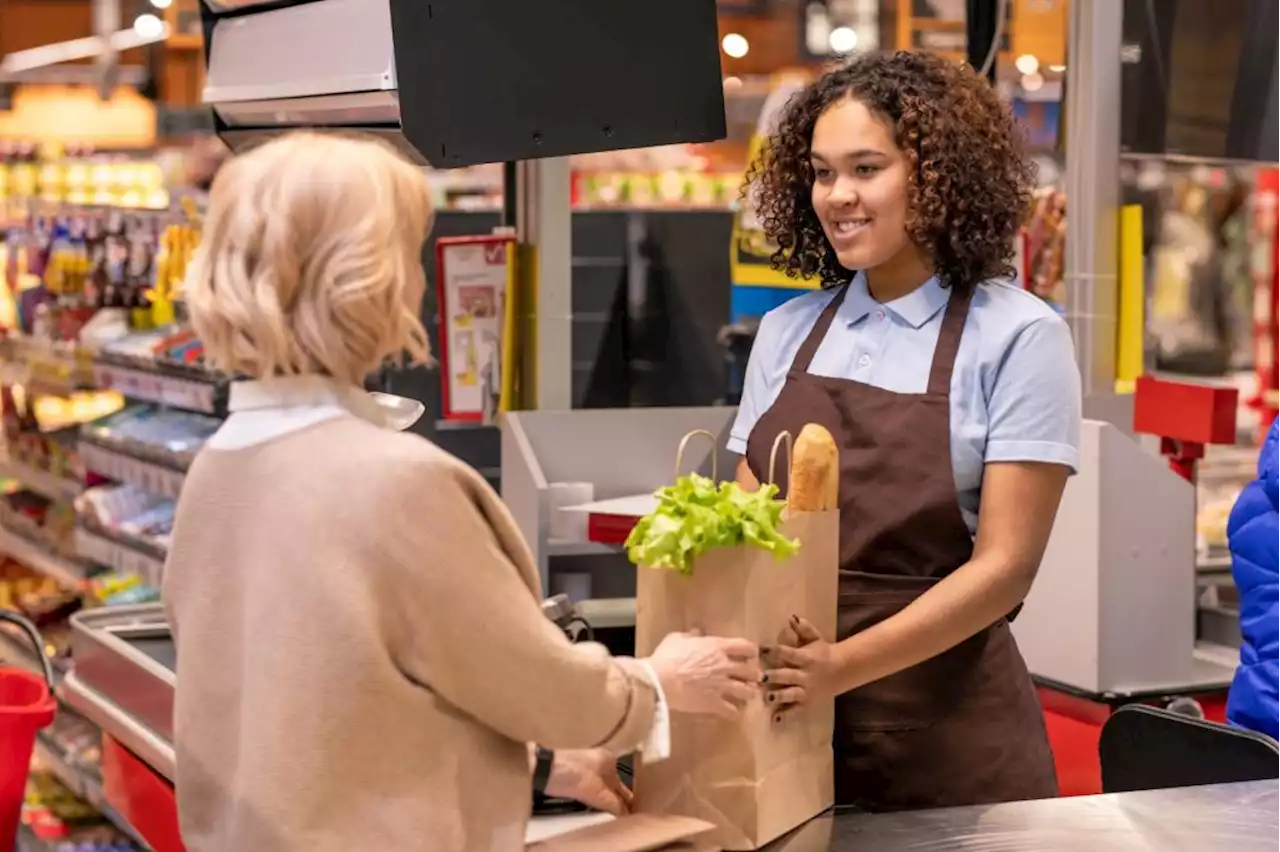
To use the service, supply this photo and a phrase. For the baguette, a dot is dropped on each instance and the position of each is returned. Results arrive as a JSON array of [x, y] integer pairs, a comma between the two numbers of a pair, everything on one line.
[[815, 471]]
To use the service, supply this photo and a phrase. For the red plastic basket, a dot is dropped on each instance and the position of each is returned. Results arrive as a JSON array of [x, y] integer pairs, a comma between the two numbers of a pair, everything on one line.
[[27, 704]]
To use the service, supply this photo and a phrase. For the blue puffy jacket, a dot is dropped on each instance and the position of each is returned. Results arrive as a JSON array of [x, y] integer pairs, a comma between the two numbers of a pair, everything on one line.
[[1252, 532]]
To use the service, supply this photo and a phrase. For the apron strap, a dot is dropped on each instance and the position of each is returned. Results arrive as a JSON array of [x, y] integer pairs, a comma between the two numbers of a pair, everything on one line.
[[809, 348], [944, 354]]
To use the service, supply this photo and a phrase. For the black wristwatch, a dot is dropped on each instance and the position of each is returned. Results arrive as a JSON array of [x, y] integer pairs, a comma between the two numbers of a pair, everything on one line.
[[542, 770]]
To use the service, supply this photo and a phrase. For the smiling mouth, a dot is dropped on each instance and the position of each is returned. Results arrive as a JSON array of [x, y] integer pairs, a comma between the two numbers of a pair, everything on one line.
[[849, 227]]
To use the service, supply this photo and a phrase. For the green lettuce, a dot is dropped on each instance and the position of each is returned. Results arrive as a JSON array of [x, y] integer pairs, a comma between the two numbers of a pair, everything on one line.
[[695, 515]]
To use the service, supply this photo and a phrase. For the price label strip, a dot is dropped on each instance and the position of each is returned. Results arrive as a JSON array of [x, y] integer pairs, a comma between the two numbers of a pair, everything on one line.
[[186, 394], [125, 468], [119, 557]]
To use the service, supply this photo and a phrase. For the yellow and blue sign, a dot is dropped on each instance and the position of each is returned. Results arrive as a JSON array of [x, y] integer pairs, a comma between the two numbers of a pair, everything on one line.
[[757, 286]]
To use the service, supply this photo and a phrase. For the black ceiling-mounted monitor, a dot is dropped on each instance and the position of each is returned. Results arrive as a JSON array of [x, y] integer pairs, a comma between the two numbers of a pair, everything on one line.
[[459, 82], [1199, 79]]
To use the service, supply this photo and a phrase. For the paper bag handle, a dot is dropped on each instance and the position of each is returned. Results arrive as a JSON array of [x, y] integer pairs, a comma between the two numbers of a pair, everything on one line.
[[684, 445], [773, 456]]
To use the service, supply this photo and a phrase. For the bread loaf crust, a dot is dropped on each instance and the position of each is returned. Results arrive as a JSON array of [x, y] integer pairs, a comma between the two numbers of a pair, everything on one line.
[[814, 485]]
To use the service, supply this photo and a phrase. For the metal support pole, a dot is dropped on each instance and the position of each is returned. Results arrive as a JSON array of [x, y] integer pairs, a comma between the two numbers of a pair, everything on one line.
[[106, 23], [1093, 196], [543, 226]]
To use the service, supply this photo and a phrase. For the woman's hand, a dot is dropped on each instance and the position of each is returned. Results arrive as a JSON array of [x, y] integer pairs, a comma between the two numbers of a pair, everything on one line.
[[799, 675], [706, 674], [589, 776]]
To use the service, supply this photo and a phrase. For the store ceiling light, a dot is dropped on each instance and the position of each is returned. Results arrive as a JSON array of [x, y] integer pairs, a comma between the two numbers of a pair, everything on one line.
[[735, 45], [1032, 83], [732, 84], [1026, 64], [148, 25], [843, 40], [1058, 69], [162, 4]]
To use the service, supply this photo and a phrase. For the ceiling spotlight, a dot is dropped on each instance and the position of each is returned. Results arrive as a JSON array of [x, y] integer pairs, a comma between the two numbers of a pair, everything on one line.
[[732, 84], [1058, 69], [1026, 64], [148, 25], [735, 45], [842, 40], [1032, 83], [162, 4]]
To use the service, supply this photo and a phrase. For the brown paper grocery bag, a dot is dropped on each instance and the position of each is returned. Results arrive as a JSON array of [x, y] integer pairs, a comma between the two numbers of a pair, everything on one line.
[[754, 779]]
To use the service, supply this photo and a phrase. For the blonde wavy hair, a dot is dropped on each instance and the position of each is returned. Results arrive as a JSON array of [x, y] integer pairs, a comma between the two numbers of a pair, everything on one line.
[[311, 260]]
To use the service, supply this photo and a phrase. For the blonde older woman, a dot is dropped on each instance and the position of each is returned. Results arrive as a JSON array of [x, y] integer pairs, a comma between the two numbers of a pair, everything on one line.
[[363, 662]]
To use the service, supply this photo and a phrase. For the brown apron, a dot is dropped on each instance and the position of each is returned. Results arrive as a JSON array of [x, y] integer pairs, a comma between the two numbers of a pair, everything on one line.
[[964, 727]]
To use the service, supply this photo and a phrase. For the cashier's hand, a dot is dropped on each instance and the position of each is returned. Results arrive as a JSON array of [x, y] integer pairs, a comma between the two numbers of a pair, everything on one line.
[[589, 776], [798, 675], [707, 674]]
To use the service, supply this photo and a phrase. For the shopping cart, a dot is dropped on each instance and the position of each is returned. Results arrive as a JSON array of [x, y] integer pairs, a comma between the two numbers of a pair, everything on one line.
[[27, 704]]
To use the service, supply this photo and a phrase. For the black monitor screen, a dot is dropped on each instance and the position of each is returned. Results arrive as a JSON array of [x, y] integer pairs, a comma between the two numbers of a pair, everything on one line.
[[1199, 78]]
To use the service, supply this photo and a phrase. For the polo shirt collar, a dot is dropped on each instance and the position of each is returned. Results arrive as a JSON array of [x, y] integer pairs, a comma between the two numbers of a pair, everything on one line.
[[304, 392], [915, 308]]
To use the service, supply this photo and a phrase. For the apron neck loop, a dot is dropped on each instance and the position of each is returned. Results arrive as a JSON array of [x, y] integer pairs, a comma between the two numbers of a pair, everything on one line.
[[809, 348], [944, 354]]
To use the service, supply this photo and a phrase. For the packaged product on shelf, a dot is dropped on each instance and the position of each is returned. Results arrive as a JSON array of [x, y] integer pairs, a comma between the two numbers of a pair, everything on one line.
[[39, 520], [122, 590], [134, 514], [77, 740], [161, 434], [62, 821]]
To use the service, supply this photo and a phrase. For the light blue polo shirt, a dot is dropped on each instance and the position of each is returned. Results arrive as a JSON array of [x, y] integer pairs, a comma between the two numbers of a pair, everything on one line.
[[1015, 390]]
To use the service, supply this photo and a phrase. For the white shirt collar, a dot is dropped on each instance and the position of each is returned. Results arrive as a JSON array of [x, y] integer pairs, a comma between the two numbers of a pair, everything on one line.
[[293, 392]]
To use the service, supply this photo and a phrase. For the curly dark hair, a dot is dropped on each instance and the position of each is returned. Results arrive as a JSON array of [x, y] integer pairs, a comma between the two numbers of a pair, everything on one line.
[[970, 184]]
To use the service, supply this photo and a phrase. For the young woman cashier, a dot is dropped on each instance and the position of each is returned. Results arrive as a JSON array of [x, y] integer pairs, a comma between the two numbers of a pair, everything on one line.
[[900, 182]]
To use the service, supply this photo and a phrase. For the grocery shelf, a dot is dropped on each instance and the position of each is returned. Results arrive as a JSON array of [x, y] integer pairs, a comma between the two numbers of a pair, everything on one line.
[[126, 465], [173, 386], [83, 783], [57, 488], [44, 367], [38, 558], [126, 557]]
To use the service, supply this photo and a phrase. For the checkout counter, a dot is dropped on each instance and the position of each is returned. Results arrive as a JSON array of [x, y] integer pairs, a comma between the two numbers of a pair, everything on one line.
[[124, 680], [1106, 563]]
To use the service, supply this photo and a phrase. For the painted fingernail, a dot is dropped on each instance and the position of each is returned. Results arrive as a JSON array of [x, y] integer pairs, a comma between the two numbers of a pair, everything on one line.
[[764, 678], [769, 698], [777, 720]]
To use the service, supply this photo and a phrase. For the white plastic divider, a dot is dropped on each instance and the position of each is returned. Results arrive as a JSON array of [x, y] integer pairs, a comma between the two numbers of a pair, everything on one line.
[[118, 556], [122, 467], [187, 394], [39, 559]]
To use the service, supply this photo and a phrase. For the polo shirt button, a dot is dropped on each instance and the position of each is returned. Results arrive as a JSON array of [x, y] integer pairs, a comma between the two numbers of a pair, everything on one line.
[[879, 315], [864, 360]]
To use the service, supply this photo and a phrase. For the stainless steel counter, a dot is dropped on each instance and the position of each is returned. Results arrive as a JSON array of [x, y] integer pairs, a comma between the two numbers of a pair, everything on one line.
[[1226, 818]]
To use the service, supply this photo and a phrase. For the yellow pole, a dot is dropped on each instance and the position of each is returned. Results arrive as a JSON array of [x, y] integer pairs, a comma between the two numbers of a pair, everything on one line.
[[1131, 312]]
